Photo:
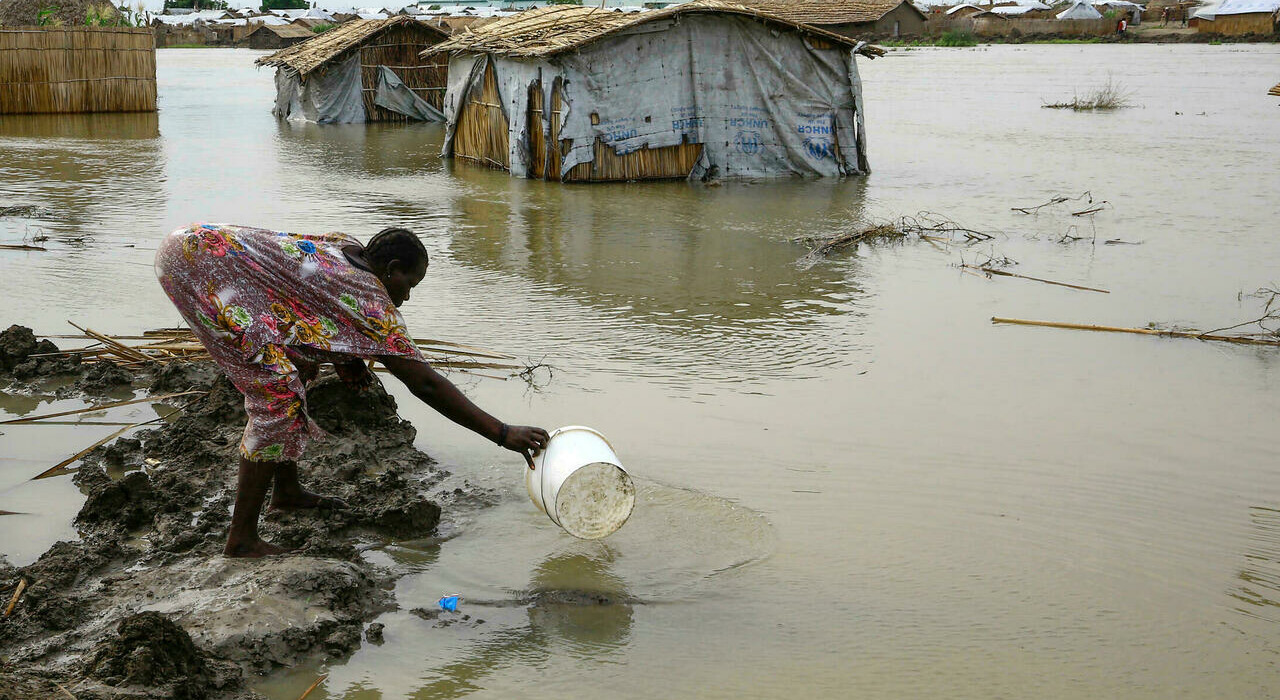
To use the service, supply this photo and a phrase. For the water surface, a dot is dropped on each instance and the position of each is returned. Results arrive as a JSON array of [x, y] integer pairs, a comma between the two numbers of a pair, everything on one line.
[[850, 480]]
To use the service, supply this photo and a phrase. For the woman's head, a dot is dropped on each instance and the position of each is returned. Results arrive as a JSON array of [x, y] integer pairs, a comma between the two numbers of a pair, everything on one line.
[[399, 260]]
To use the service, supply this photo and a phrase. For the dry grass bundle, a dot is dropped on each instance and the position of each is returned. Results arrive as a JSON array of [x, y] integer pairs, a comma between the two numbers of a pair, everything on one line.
[[77, 69], [1110, 96], [559, 28], [180, 344], [311, 54]]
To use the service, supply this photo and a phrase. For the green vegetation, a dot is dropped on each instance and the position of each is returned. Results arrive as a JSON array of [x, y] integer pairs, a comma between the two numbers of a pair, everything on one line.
[[104, 15], [957, 37], [48, 17], [268, 5], [322, 28]]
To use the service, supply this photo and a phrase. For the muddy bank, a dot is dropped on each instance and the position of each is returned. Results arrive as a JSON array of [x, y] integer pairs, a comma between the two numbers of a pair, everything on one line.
[[144, 604]]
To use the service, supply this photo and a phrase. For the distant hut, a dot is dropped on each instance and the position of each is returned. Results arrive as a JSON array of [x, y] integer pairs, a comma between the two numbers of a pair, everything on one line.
[[362, 71], [963, 11], [278, 36], [1080, 10], [1275, 90], [1237, 17], [705, 88], [851, 18]]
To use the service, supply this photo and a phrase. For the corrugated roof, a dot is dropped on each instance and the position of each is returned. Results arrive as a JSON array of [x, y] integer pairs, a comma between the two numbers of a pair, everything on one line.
[[560, 28], [823, 12], [309, 55], [1244, 7]]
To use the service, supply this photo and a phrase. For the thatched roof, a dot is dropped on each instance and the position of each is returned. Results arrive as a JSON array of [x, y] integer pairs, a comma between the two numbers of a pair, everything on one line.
[[560, 28], [309, 55], [285, 31], [1274, 91], [824, 12]]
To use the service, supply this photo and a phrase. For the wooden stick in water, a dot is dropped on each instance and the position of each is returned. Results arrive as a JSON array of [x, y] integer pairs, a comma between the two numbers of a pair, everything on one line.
[[59, 468], [1002, 273], [1139, 331], [121, 349], [22, 586], [99, 407], [313, 686]]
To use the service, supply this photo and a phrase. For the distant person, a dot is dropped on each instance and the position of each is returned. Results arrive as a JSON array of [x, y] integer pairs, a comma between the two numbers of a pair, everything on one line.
[[1121, 26], [270, 307], [1164, 16]]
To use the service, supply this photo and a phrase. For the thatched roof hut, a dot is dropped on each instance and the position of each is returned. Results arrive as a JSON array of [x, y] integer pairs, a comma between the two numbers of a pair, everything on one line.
[[852, 18], [362, 71], [278, 36], [701, 89]]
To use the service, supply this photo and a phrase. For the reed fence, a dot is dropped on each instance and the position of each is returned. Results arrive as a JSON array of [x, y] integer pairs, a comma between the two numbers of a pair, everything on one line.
[[999, 26], [77, 69]]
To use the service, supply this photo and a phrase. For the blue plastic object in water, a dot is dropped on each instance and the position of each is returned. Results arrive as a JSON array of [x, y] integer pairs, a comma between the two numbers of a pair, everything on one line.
[[449, 603]]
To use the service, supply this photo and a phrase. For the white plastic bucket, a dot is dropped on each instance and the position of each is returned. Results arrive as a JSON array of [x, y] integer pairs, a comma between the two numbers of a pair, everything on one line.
[[578, 481]]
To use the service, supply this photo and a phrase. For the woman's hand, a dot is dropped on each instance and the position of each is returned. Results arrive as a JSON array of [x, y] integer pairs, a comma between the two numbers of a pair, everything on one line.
[[525, 439]]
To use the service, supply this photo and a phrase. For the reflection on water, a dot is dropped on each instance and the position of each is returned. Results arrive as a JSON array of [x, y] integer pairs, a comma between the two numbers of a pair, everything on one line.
[[112, 126], [1259, 579], [677, 272]]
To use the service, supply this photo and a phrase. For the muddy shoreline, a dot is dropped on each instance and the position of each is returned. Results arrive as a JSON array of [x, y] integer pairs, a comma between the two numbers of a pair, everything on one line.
[[144, 604]]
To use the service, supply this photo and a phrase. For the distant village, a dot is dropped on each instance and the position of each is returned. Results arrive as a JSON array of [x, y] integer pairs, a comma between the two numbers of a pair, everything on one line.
[[881, 20]]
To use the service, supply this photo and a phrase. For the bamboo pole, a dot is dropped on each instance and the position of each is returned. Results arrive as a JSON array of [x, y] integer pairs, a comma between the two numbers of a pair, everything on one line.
[[313, 686], [99, 407], [1139, 331], [22, 586], [1002, 273], [59, 468]]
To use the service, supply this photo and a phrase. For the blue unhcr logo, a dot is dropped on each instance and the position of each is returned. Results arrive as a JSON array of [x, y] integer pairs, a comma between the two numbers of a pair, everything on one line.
[[817, 131], [747, 142]]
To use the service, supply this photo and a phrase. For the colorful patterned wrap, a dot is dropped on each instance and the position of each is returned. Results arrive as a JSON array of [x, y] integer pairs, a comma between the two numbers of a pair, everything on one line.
[[265, 303]]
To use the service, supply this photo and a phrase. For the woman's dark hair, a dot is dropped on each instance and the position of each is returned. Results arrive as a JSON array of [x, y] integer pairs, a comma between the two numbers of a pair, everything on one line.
[[394, 244]]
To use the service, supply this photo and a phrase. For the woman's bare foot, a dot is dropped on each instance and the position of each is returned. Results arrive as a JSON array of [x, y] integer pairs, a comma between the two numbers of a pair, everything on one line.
[[252, 549], [301, 500]]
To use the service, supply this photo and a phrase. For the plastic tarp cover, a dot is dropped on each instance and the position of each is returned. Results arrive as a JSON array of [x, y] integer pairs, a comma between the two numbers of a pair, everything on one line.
[[762, 102], [1080, 10], [394, 95], [327, 96]]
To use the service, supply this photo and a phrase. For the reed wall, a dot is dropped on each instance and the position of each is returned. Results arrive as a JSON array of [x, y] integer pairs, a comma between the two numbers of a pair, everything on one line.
[[482, 131], [1236, 25], [77, 69], [398, 49], [993, 26]]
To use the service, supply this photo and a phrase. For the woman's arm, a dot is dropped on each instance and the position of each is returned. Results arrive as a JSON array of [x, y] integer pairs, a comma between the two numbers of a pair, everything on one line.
[[440, 394]]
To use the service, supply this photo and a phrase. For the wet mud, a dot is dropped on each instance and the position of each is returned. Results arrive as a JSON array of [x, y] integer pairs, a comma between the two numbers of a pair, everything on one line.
[[144, 605]]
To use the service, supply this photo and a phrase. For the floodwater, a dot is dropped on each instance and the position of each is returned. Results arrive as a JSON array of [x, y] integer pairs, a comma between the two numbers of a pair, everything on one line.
[[850, 481]]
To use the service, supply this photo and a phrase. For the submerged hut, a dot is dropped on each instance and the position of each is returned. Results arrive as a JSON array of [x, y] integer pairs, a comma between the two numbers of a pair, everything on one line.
[[278, 36], [702, 89], [852, 18], [77, 69], [367, 70]]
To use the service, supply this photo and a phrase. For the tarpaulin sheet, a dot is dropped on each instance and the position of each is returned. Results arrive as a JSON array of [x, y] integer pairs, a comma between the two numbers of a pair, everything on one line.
[[328, 96], [394, 95], [762, 102]]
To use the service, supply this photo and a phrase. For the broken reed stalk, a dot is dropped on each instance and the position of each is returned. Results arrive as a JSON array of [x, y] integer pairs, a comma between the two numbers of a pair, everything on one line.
[[1139, 331], [99, 407], [120, 348], [1002, 273], [11, 512], [313, 686], [59, 468], [13, 246], [22, 586]]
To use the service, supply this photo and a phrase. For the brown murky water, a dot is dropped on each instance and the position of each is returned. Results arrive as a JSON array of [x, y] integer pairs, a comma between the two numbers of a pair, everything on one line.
[[850, 481]]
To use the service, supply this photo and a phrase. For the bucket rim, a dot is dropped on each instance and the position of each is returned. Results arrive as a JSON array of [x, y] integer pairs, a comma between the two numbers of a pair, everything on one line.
[[571, 428]]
